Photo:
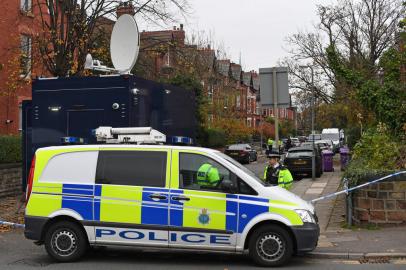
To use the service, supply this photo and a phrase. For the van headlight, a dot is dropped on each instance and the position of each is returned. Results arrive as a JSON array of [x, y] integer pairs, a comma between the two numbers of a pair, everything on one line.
[[305, 216]]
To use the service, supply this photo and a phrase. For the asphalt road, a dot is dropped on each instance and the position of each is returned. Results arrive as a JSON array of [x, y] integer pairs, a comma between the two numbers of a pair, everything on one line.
[[18, 253]]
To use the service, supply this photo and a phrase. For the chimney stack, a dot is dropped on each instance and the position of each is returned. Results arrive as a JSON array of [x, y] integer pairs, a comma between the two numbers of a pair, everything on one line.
[[125, 8]]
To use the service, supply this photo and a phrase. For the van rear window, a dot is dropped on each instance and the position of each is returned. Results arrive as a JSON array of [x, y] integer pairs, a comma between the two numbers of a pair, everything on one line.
[[135, 168], [74, 167]]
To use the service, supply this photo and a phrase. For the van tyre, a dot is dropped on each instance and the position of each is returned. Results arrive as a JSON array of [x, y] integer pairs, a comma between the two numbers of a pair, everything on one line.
[[270, 245], [65, 241]]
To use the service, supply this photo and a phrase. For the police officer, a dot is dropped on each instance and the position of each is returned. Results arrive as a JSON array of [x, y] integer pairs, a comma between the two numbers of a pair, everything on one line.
[[208, 176], [288, 144], [277, 174], [270, 145]]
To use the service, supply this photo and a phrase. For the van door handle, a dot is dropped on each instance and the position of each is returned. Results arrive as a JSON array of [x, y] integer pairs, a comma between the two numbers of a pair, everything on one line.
[[157, 197], [180, 198]]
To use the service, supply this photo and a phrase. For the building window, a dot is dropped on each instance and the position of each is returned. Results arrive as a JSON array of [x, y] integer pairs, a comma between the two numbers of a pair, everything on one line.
[[249, 105], [25, 58], [25, 5], [238, 101], [210, 93]]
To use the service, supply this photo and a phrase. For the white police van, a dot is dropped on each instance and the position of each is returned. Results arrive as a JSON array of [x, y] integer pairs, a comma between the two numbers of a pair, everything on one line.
[[149, 196]]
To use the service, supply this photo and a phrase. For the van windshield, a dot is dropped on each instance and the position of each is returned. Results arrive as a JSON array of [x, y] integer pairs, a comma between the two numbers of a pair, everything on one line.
[[245, 169], [331, 136]]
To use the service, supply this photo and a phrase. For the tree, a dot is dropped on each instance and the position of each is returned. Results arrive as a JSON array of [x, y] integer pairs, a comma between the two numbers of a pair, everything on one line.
[[68, 27], [360, 30]]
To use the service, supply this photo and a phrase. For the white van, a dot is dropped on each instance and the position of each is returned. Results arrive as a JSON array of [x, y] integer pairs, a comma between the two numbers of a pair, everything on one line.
[[335, 135]]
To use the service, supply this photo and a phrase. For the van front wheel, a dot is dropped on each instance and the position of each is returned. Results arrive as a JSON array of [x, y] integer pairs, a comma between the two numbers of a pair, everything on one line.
[[65, 241], [270, 245]]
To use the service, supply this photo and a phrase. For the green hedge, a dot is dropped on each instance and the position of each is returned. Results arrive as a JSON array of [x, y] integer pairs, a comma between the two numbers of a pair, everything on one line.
[[216, 138], [212, 138], [375, 155], [10, 149]]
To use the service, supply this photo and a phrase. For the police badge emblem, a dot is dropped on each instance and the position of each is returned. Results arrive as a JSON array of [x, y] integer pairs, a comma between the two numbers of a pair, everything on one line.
[[204, 217]]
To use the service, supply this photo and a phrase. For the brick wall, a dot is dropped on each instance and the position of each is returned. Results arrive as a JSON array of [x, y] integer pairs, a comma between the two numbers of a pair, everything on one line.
[[10, 179], [382, 203]]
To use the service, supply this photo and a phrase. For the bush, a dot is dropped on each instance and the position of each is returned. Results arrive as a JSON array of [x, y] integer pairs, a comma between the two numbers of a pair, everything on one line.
[[10, 149], [375, 155], [377, 149], [234, 130], [352, 135], [213, 138], [216, 138]]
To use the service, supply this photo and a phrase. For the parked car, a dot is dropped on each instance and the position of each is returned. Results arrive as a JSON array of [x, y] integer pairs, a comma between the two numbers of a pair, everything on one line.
[[310, 145], [243, 153], [329, 143], [299, 162], [314, 137], [322, 145], [302, 139], [295, 142]]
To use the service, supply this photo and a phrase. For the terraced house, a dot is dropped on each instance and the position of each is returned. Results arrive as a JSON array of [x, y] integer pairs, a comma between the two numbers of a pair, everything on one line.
[[20, 23]]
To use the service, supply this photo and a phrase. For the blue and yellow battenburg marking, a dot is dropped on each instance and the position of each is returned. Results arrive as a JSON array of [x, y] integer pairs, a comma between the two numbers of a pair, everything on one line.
[[134, 205]]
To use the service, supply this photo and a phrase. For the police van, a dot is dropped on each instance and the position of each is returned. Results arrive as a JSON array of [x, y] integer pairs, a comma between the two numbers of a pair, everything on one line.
[[154, 196]]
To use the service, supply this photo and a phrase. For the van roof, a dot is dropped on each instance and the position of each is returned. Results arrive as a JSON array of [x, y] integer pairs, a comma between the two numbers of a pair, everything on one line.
[[104, 146], [330, 130]]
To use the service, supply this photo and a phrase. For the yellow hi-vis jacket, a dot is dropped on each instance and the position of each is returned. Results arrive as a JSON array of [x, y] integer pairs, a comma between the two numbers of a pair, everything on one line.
[[208, 176], [283, 175]]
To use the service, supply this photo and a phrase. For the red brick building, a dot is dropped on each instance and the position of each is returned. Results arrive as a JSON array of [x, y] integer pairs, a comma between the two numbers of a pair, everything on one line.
[[253, 116], [20, 22]]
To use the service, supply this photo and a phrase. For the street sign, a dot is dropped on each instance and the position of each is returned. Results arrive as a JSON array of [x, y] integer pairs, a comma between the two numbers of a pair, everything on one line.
[[266, 76]]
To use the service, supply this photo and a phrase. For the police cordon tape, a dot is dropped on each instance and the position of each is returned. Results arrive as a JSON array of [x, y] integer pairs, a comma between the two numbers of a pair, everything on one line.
[[348, 190], [12, 224]]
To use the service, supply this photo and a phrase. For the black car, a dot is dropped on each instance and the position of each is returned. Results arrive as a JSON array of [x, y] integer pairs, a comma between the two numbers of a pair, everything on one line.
[[299, 162], [243, 153]]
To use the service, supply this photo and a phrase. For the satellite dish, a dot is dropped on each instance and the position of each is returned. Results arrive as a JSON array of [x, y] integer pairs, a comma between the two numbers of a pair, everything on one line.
[[124, 43]]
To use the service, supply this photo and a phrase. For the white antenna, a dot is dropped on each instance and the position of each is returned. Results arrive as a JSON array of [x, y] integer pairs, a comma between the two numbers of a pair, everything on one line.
[[135, 135], [89, 61], [124, 47]]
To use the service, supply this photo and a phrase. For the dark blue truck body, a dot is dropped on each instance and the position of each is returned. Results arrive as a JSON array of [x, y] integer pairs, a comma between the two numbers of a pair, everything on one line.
[[76, 106]]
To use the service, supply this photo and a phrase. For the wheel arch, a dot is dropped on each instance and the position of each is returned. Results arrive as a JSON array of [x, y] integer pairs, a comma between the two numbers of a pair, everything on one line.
[[63, 216], [270, 222]]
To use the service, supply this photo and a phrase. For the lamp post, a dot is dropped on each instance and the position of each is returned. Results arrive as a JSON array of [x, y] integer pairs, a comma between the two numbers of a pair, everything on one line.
[[312, 115]]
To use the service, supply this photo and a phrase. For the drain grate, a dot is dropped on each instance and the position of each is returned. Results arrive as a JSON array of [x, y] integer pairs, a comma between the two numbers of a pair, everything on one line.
[[378, 260]]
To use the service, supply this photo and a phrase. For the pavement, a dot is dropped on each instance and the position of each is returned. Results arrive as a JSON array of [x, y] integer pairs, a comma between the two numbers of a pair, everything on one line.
[[335, 241]]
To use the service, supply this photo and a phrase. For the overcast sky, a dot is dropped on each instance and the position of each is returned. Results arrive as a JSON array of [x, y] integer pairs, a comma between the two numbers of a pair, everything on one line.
[[256, 28]]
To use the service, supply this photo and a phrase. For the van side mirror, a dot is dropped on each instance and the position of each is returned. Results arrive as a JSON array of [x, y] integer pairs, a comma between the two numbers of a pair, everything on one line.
[[228, 186]]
